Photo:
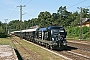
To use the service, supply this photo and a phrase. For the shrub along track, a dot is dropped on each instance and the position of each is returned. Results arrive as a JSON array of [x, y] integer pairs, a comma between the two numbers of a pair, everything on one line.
[[27, 54]]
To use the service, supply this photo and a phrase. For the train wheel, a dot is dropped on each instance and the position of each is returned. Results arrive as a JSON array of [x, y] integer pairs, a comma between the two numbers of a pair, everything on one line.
[[47, 46], [51, 47]]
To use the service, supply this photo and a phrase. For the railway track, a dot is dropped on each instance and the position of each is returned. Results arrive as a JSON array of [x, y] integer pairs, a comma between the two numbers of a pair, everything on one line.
[[82, 47], [74, 51], [77, 51], [28, 54], [74, 55]]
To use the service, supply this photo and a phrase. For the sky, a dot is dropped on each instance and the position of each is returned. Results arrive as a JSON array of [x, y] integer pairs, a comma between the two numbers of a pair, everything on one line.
[[10, 11]]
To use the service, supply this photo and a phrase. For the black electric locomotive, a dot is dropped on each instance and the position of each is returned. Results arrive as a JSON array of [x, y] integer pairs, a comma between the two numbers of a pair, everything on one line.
[[52, 37]]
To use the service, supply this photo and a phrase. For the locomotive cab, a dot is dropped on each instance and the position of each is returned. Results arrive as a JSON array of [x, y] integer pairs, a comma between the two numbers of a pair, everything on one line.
[[58, 37], [52, 37]]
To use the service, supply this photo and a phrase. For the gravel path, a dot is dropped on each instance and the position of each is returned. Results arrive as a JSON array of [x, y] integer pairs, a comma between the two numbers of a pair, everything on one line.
[[7, 53]]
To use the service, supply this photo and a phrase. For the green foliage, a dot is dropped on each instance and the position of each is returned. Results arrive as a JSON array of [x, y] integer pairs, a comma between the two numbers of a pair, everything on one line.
[[14, 25], [62, 17], [85, 29], [73, 32], [44, 19], [1, 30], [86, 35], [2, 33], [85, 12], [0, 23]]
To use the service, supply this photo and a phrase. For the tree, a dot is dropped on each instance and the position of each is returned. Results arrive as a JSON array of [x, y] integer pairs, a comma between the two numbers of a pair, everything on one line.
[[64, 16], [0, 23], [85, 12], [75, 18], [14, 25], [1, 30], [44, 19]]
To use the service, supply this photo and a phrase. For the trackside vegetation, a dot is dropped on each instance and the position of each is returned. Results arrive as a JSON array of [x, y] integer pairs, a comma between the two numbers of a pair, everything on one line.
[[5, 41], [3, 34], [68, 19], [74, 32]]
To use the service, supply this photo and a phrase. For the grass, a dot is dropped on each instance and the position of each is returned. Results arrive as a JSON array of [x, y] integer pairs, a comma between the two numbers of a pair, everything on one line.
[[39, 53], [5, 41]]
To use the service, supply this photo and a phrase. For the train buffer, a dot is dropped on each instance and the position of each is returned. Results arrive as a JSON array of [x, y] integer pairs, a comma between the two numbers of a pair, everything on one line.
[[7, 53]]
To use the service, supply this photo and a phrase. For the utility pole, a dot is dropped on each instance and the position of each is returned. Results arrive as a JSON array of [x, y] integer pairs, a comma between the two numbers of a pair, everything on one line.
[[89, 28], [21, 20], [88, 7], [81, 9], [89, 20], [6, 24]]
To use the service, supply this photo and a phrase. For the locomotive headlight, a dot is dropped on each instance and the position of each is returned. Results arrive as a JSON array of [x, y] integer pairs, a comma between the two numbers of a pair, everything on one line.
[[54, 42], [52, 39], [64, 43]]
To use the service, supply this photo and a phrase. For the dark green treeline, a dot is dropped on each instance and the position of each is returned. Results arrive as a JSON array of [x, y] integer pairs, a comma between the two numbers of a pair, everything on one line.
[[62, 17]]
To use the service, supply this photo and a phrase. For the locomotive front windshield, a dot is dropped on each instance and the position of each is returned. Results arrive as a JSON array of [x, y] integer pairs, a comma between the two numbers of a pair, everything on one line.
[[56, 32]]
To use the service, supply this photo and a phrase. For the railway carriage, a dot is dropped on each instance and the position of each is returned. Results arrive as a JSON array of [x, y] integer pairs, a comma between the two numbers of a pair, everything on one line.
[[29, 34], [17, 33]]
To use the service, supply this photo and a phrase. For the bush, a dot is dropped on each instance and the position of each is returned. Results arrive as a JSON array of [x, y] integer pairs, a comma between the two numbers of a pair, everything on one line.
[[73, 32], [85, 29], [3, 35], [86, 36]]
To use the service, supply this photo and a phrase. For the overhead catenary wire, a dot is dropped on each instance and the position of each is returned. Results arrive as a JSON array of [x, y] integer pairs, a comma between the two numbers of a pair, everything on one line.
[[67, 8], [76, 4], [20, 2], [13, 13], [27, 2], [26, 13], [24, 2], [15, 10]]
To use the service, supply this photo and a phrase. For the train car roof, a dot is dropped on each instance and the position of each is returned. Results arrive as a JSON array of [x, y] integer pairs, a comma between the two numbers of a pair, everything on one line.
[[29, 30], [54, 27], [42, 29], [49, 28], [12, 32]]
